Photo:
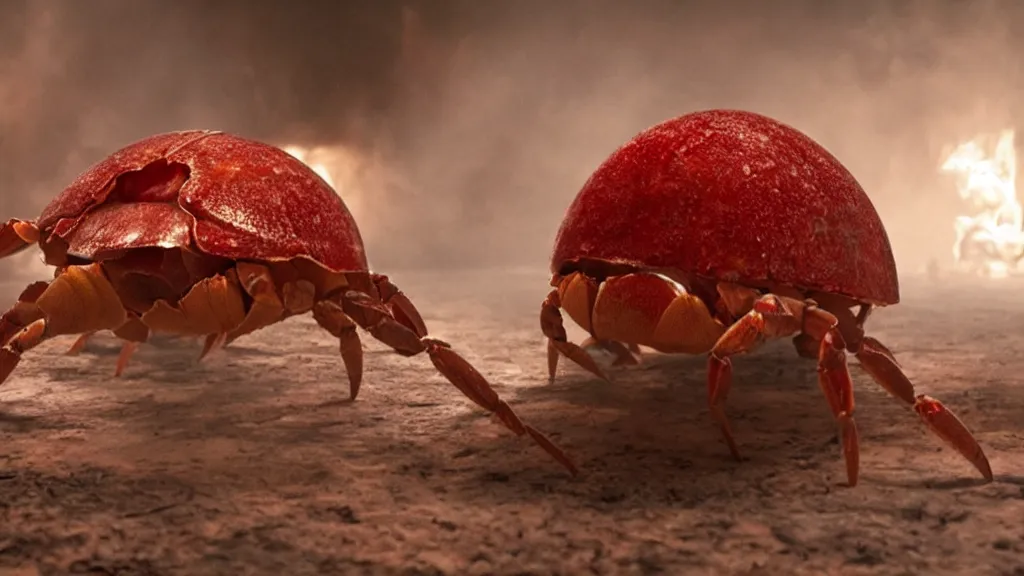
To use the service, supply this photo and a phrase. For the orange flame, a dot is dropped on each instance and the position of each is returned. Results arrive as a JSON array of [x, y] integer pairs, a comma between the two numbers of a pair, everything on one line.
[[990, 238]]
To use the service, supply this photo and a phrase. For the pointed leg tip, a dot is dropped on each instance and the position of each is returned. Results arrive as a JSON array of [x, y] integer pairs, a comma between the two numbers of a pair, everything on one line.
[[986, 470], [730, 443], [8, 362], [852, 473]]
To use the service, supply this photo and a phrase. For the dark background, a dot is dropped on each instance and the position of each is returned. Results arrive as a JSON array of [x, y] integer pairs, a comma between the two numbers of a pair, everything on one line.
[[472, 124]]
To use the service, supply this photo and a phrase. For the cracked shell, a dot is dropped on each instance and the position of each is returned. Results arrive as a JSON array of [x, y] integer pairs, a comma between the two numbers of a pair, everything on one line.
[[246, 201]]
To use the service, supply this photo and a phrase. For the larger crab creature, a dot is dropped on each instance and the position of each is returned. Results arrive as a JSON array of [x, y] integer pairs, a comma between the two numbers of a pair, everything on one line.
[[202, 233], [714, 231]]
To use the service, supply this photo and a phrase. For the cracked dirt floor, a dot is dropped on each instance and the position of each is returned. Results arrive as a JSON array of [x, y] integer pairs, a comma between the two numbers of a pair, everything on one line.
[[249, 464]]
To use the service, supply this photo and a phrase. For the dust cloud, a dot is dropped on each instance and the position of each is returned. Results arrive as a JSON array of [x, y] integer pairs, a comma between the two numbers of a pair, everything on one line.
[[473, 124]]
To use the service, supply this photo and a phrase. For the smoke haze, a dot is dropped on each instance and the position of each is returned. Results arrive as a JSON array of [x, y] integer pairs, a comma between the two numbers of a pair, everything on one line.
[[474, 124]]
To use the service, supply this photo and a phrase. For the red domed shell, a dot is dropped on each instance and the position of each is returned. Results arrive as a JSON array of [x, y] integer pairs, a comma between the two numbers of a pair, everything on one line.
[[734, 196], [250, 201]]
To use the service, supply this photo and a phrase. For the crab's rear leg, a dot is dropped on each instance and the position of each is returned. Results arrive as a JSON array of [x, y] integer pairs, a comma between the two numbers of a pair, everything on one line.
[[880, 363], [404, 337], [17, 235], [79, 300]]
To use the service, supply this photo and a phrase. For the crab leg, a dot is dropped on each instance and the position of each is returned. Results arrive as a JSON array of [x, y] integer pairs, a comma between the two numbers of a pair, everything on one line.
[[132, 333], [377, 318], [79, 344], [401, 307], [331, 317], [776, 316], [16, 235], [773, 317], [80, 300], [625, 354], [879, 362], [266, 307], [558, 341]]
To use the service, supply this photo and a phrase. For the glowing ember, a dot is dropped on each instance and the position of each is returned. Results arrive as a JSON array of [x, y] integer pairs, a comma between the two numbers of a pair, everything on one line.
[[990, 241]]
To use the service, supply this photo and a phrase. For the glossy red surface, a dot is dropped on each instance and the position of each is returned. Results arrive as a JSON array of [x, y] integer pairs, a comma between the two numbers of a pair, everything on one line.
[[249, 200], [734, 196], [92, 186], [117, 226]]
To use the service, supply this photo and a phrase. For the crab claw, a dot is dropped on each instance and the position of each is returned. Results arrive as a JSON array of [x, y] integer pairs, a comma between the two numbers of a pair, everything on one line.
[[24, 312], [16, 235]]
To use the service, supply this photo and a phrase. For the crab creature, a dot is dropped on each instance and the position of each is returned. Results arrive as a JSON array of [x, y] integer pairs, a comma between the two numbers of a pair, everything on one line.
[[714, 231], [206, 234]]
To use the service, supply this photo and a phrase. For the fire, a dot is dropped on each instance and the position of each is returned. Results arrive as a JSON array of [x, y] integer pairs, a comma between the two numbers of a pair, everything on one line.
[[989, 241]]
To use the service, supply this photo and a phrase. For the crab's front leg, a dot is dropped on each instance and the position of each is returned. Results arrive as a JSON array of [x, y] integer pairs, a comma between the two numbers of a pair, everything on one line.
[[403, 335], [17, 235], [773, 316], [743, 336], [552, 327]]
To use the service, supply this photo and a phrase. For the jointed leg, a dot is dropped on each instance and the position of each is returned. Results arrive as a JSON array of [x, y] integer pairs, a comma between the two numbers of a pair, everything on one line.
[[331, 317], [399, 304], [879, 362], [79, 344], [776, 316], [266, 308], [558, 340], [377, 319], [773, 317], [132, 333]]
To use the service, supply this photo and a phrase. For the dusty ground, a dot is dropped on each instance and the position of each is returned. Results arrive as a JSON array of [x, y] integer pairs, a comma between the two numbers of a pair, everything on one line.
[[248, 464]]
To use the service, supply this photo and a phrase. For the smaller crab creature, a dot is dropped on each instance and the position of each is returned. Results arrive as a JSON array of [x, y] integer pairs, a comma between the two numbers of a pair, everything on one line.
[[206, 234], [715, 231]]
